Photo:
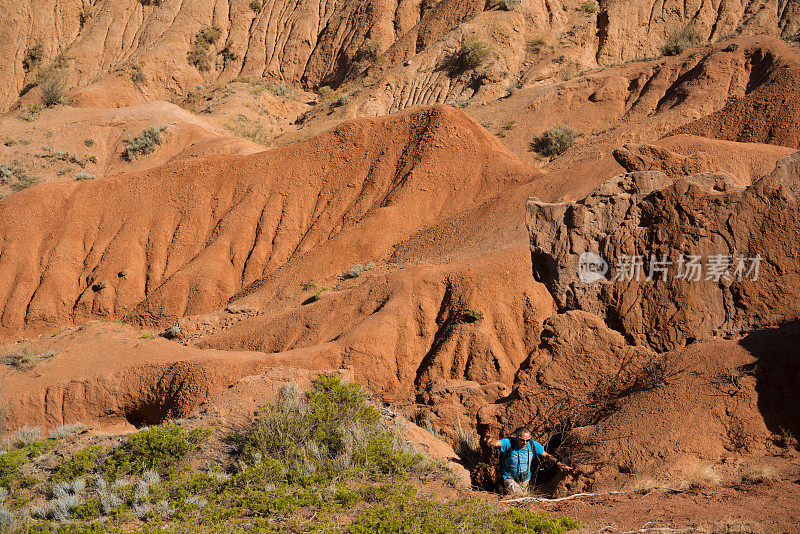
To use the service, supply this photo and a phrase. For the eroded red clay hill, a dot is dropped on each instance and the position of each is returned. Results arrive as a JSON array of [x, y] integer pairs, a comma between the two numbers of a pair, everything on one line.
[[183, 238]]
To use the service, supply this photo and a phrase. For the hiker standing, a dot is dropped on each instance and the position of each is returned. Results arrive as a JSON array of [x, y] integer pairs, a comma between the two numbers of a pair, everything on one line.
[[516, 456]]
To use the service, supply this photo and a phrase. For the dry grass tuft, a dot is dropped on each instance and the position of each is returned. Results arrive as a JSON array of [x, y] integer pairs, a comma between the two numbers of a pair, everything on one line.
[[757, 473], [701, 475], [25, 359], [643, 485]]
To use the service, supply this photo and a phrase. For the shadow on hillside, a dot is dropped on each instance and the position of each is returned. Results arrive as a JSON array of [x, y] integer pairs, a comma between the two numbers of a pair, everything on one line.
[[778, 375]]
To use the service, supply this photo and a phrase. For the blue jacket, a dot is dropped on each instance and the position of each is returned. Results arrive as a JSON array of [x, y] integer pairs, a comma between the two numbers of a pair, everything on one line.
[[516, 463]]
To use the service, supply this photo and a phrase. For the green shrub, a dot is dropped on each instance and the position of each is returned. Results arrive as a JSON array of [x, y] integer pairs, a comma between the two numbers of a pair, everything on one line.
[[11, 462], [161, 449], [198, 54], [255, 5], [144, 143], [33, 56], [679, 40], [471, 315], [341, 100], [83, 462], [410, 513], [472, 54], [555, 140], [331, 431], [227, 54], [31, 112], [589, 6], [318, 294]]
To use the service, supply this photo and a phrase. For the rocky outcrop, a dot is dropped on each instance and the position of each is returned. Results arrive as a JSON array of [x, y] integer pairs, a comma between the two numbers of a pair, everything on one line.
[[134, 52], [629, 29], [609, 254], [144, 46], [617, 412]]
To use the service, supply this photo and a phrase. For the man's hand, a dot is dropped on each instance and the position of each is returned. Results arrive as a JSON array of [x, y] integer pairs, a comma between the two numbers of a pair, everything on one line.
[[563, 467], [490, 442]]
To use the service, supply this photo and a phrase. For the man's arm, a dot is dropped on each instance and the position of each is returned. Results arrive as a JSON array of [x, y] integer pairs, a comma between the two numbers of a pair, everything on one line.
[[562, 466], [489, 442]]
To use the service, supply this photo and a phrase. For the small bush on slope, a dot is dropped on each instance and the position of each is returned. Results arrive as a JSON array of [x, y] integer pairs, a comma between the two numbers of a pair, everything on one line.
[[198, 54], [679, 40], [144, 143], [329, 431], [555, 140], [472, 54]]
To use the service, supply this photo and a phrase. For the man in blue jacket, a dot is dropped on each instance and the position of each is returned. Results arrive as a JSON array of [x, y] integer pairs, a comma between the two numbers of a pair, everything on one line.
[[516, 456]]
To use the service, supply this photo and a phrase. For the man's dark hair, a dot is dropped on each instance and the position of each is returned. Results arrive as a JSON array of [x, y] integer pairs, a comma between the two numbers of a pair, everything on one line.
[[522, 430]]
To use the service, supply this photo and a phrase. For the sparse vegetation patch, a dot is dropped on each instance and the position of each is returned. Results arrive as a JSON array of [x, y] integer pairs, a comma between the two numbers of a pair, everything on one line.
[[52, 82], [198, 54], [25, 359], [472, 54], [144, 143], [555, 140], [33, 56], [679, 40], [369, 51], [508, 5]]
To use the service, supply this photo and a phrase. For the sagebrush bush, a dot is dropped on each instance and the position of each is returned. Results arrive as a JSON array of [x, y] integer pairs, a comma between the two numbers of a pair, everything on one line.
[[27, 436], [472, 54], [679, 40], [589, 6], [555, 140], [6, 518], [144, 143], [330, 431]]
